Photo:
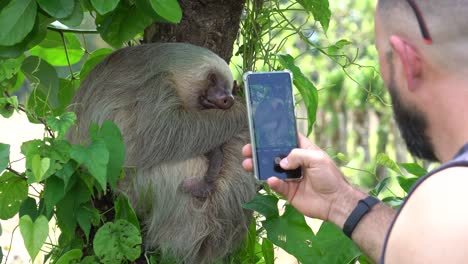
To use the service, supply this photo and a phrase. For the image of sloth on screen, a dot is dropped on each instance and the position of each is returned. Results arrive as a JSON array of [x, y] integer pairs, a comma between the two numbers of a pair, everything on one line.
[[274, 116]]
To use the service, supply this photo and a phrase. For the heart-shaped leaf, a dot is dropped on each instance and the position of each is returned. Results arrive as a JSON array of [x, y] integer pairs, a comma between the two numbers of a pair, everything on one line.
[[40, 167], [34, 233]]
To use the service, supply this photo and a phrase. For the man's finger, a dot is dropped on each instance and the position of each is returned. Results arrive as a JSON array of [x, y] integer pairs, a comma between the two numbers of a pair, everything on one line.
[[284, 188], [247, 151], [305, 143], [302, 158], [248, 165]]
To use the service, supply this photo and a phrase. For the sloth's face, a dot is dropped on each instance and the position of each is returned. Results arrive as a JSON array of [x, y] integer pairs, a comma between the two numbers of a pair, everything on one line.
[[217, 93]]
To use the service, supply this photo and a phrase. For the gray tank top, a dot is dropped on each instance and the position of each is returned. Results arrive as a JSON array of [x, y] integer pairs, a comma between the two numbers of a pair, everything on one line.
[[461, 159]]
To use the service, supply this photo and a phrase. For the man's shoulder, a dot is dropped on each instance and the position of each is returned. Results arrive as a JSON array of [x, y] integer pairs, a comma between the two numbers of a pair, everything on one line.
[[432, 224], [441, 194], [442, 181]]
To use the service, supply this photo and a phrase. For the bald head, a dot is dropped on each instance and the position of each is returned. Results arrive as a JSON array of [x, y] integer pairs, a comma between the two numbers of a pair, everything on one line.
[[446, 21]]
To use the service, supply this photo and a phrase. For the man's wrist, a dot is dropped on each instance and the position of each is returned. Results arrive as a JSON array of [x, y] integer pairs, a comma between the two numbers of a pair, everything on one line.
[[344, 204]]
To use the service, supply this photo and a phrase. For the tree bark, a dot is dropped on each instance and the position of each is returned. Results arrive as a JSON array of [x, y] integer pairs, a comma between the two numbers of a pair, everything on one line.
[[212, 24]]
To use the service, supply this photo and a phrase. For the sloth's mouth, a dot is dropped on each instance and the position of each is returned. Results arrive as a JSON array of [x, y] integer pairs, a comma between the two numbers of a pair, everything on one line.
[[207, 104]]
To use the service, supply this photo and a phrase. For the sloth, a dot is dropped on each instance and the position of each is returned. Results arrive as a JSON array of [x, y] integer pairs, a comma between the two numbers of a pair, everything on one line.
[[183, 131]]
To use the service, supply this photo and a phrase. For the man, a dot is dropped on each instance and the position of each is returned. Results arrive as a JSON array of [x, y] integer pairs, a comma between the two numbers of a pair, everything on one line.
[[423, 55]]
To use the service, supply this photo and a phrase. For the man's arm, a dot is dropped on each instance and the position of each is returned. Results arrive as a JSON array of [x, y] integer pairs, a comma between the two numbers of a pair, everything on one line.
[[370, 232]]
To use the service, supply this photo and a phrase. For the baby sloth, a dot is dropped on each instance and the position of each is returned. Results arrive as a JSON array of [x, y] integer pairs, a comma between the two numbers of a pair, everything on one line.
[[183, 132]]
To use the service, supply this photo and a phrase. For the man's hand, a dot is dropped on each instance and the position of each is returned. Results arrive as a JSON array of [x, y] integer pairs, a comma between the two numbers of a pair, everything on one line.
[[322, 184], [324, 193]]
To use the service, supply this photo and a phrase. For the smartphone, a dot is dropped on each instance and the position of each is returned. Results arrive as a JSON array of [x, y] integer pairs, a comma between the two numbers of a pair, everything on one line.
[[272, 122]]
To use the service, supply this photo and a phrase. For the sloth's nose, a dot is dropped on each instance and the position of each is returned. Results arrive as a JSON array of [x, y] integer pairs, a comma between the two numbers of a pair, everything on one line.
[[224, 101]]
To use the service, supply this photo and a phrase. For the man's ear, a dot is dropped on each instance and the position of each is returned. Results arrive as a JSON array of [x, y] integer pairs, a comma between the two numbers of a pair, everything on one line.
[[410, 60]]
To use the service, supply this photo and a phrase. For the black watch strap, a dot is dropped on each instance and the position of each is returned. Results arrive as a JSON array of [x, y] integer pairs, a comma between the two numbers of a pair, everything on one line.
[[362, 208]]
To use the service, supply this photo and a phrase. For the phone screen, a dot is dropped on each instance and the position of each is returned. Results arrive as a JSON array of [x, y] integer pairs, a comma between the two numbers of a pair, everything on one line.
[[273, 122]]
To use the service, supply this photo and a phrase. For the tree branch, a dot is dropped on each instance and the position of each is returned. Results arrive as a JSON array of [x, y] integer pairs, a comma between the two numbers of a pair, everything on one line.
[[82, 31], [40, 119]]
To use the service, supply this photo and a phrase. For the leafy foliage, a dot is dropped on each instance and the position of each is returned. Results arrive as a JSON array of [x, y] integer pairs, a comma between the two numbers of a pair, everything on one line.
[[291, 232]]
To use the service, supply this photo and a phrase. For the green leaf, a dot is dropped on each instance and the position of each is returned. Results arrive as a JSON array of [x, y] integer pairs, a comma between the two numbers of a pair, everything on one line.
[[110, 134], [363, 259], [342, 158], [54, 191], [8, 106], [44, 78], [331, 245], [414, 169], [123, 210], [266, 205], [93, 59], [320, 10], [90, 260], [86, 215], [9, 68], [168, 9], [291, 232], [95, 157], [71, 257], [75, 18], [57, 8], [103, 7], [4, 156], [37, 34], [305, 87], [40, 167], [62, 123], [67, 208], [384, 160], [13, 84], [52, 49], [38, 106], [333, 49], [380, 186], [407, 183], [16, 21], [34, 233], [42, 210], [122, 24], [249, 252], [115, 242], [394, 202], [268, 251], [35, 150], [32, 147], [58, 150], [13, 191], [66, 173], [29, 207], [66, 92]]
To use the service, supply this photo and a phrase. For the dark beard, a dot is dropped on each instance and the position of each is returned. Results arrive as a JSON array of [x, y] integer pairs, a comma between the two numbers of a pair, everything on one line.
[[413, 126]]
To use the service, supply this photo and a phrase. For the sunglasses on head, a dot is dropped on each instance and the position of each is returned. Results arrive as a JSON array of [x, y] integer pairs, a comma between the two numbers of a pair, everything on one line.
[[422, 24]]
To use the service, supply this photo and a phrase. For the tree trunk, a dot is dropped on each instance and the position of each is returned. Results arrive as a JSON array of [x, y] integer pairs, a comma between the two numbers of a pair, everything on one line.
[[212, 24]]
